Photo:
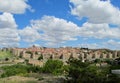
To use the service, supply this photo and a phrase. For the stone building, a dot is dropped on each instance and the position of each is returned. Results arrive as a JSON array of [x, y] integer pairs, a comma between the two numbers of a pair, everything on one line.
[[33, 53]]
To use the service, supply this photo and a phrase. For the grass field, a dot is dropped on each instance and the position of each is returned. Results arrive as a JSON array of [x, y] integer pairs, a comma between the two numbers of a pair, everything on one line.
[[6, 54]]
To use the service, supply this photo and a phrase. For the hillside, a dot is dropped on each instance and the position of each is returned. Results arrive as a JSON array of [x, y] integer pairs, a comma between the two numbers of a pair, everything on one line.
[[5, 54]]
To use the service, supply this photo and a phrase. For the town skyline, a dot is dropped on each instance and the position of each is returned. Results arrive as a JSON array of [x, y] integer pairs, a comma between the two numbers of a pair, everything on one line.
[[92, 24]]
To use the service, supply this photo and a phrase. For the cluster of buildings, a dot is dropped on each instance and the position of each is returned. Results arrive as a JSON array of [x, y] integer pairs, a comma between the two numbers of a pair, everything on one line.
[[39, 55]]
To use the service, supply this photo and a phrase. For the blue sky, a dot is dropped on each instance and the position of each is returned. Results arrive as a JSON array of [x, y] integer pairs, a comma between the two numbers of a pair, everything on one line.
[[58, 23]]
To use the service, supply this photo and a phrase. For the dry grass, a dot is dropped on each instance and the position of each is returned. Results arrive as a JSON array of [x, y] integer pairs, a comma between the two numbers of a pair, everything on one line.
[[18, 79], [33, 78]]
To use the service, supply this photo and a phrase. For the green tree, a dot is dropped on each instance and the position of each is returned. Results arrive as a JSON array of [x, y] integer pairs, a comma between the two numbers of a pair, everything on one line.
[[6, 59], [76, 69], [80, 72], [53, 66], [41, 57], [97, 60]]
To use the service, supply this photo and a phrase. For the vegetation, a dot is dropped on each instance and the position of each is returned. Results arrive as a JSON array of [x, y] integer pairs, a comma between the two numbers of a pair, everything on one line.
[[76, 71], [29, 52], [41, 57], [14, 70], [80, 72], [53, 66], [5, 54], [18, 79], [20, 70]]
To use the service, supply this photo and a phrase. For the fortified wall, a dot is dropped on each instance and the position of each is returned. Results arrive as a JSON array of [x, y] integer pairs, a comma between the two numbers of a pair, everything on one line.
[[64, 53]]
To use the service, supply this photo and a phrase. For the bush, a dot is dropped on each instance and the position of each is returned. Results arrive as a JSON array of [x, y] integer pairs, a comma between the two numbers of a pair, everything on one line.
[[53, 66], [40, 78], [14, 70], [41, 57], [20, 69], [80, 72]]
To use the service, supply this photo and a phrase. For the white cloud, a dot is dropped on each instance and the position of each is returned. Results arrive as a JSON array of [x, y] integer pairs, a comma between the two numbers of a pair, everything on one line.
[[90, 46], [29, 34], [109, 44], [7, 20], [8, 30], [14, 6], [9, 34], [56, 31], [100, 14], [112, 44], [99, 31], [53, 30], [97, 11]]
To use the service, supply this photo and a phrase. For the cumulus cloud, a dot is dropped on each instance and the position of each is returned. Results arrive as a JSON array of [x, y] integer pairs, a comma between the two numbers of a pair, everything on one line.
[[100, 14], [90, 46], [8, 30], [108, 44], [7, 20], [97, 11], [9, 33], [29, 34], [14, 6], [99, 31], [113, 44], [53, 30]]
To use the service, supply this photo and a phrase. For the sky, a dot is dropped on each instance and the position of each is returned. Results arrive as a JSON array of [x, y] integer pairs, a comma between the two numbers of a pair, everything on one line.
[[60, 23]]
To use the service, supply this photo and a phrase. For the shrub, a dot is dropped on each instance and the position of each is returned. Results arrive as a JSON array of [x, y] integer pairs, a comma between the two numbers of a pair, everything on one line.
[[53, 66], [14, 70], [80, 72], [41, 57], [20, 69]]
